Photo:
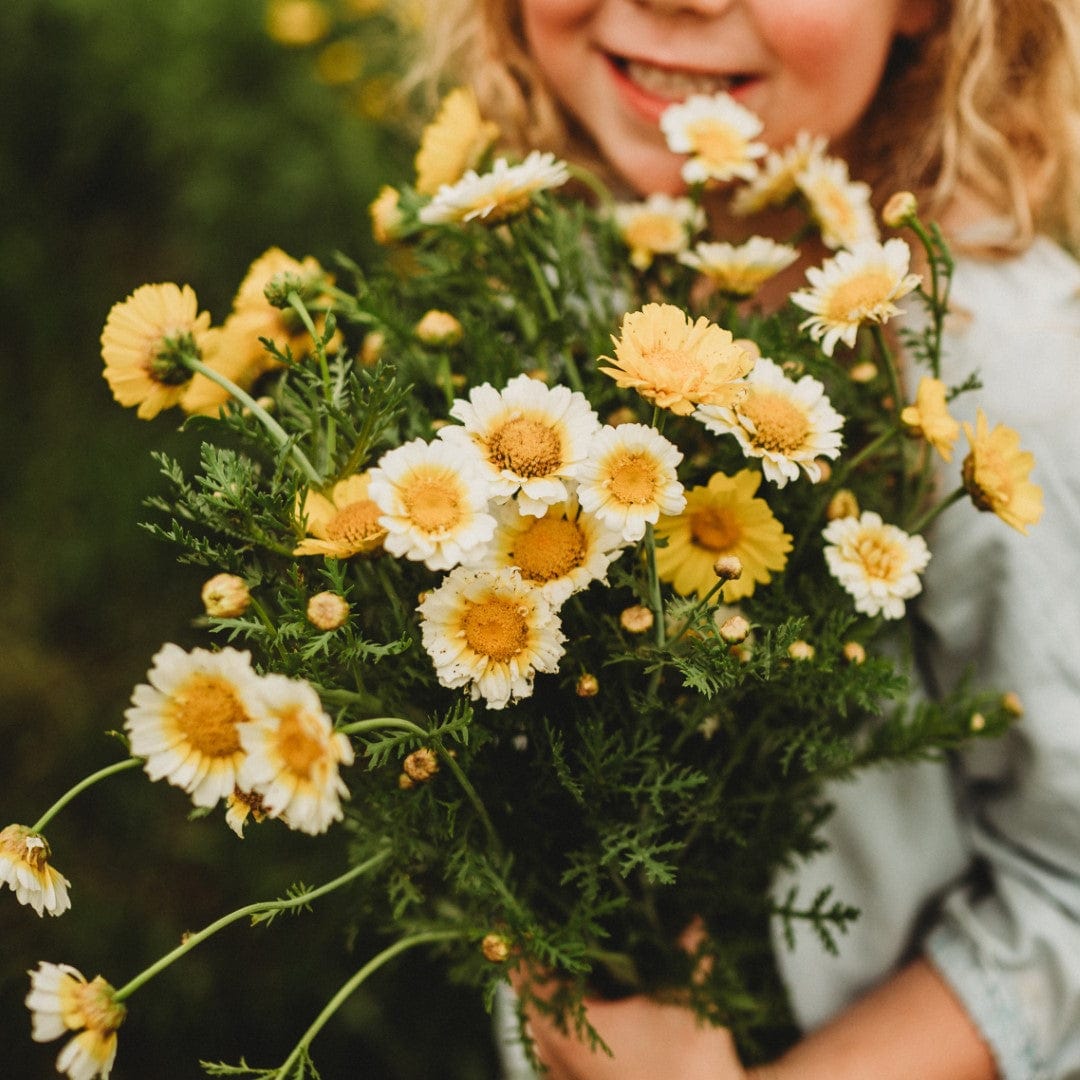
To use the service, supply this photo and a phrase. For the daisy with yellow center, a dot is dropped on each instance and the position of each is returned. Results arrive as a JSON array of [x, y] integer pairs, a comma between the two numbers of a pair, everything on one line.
[[455, 141], [491, 631], [629, 479], [343, 523], [996, 474], [61, 1000], [719, 135], [496, 195], [529, 437], [145, 341], [788, 425], [187, 722], [775, 183], [434, 502], [676, 362], [878, 564], [721, 518], [292, 757], [661, 225], [929, 417], [739, 270], [853, 288], [839, 205], [24, 867], [560, 553]]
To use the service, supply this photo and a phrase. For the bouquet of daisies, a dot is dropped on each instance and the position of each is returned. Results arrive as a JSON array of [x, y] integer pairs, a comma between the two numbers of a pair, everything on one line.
[[549, 569]]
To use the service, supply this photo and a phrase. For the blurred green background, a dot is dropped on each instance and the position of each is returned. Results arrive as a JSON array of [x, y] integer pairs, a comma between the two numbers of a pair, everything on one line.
[[144, 142]]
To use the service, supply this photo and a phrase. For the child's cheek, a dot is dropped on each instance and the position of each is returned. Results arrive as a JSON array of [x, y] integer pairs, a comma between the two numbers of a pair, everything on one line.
[[806, 35]]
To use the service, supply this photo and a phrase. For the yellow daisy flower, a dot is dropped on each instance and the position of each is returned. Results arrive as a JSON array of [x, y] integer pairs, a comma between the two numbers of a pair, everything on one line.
[[186, 723], [143, 344], [775, 182], [996, 474], [929, 417], [491, 631], [740, 269], [661, 225], [61, 1000], [878, 564], [454, 142], [722, 518], [855, 287], [718, 133], [24, 867], [840, 206], [386, 216], [292, 757], [343, 523]]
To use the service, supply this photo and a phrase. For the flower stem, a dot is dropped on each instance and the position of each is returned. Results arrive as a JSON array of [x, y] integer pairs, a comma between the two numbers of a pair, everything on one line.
[[932, 514], [82, 785], [276, 430], [353, 984], [378, 722], [259, 908], [297, 304]]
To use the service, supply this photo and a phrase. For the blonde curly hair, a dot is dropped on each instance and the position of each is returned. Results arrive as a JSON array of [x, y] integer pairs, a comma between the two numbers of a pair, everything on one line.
[[982, 110]]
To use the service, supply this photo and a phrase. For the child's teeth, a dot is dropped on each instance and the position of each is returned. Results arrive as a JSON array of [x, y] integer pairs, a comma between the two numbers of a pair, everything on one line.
[[675, 84]]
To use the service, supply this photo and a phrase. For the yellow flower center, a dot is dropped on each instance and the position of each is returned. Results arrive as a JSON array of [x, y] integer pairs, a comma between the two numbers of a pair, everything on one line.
[[355, 523], [495, 628], [527, 447], [207, 711], [719, 144], [860, 294], [988, 479], [780, 426], [296, 745], [672, 367], [837, 208], [879, 558], [99, 1012], [715, 528], [432, 504], [655, 232], [632, 479], [549, 549]]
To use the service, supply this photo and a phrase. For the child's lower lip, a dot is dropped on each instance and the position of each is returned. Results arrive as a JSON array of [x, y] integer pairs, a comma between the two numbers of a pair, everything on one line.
[[644, 103]]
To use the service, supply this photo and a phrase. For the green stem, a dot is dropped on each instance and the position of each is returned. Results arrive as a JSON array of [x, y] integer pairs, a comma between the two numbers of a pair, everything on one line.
[[297, 304], [932, 514], [82, 785], [379, 722], [541, 282], [352, 984], [256, 410], [192, 940], [472, 795]]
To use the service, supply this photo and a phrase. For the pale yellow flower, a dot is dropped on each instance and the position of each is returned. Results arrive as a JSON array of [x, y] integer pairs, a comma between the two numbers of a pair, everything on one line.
[[143, 344], [840, 206], [438, 328], [343, 523], [740, 269], [25, 869], [775, 182], [454, 142], [718, 133], [929, 417], [900, 209], [996, 474], [676, 362], [723, 517], [661, 225]]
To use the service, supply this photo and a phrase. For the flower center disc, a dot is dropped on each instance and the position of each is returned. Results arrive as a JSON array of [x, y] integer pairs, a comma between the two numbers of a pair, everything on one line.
[[780, 426], [655, 232], [858, 295], [880, 559], [298, 749], [355, 523], [633, 479], [714, 529], [433, 504], [207, 711], [716, 143], [495, 628], [549, 549], [526, 447]]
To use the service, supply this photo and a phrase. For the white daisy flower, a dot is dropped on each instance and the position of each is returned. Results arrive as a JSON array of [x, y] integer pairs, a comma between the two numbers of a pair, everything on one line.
[[530, 436], [560, 553], [740, 269], [186, 723], [854, 287], [878, 564], [24, 866], [839, 205], [629, 479], [661, 225], [434, 502], [491, 631], [61, 1000], [775, 183], [293, 757], [718, 133], [787, 424], [496, 195]]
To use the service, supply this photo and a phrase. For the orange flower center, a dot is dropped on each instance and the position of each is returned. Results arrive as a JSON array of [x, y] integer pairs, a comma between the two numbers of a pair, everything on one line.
[[432, 504], [633, 478], [715, 528], [719, 144], [655, 232], [298, 746], [859, 295], [207, 711], [355, 523], [780, 426], [550, 548], [495, 628], [879, 558], [526, 447]]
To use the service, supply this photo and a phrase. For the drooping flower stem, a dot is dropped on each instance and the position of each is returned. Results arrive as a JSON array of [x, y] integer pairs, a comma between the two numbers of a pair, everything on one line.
[[276, 430], [378, 722], [262, 907], [82, 785], [350, 987], [931, 515]]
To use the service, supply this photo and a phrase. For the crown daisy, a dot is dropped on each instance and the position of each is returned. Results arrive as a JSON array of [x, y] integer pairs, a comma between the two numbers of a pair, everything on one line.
[[740, 269], [840, 206], [661, 225], [776, 180], [453, 142], [996, 472], [929, 417], [719, 135], [343, 523], [24, 867]]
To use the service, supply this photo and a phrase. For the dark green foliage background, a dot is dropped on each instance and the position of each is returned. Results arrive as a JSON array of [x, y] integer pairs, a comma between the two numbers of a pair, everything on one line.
[[144, 142]]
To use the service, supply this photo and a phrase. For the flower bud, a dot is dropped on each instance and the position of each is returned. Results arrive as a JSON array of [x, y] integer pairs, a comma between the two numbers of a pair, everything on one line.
[[854, 653], [734, 630], [386, 216], [226, 596], [421, 765], [636, 619], [327, 611], [842, 505], [439, 328], [801, 650], [900, 209], [587, 686], [863, 372], [728, 567], [622, 415], [372, 348], [1012, 704], [977, 722], [495, 948]]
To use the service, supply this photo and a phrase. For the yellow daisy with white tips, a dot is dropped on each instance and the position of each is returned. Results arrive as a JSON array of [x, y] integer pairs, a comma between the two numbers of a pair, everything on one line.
[[840, 206], [660, 225], [719, 135], [453, 142]]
